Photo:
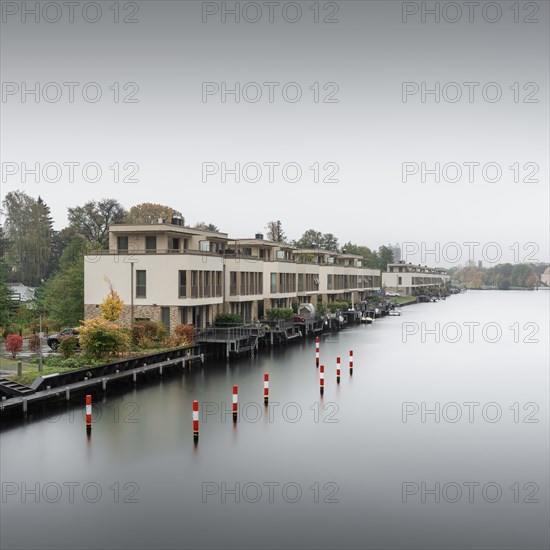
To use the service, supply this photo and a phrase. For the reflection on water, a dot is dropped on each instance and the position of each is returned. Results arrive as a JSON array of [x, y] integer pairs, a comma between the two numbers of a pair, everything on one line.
[[409, 452]]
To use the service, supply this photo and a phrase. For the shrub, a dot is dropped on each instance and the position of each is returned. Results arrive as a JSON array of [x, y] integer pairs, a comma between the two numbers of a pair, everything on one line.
[[184, 335], [34, 343], [279, 313], [333, 306], [68, 345], [152, 331], [138, 334], [228, 319], [100, 338], [14, 344]]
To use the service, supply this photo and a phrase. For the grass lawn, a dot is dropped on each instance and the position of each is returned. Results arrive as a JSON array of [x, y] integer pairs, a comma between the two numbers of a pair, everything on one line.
[[30, 376], [11, 364]]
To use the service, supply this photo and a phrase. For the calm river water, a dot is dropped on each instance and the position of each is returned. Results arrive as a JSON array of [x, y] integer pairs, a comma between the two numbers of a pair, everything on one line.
[[429, 445]]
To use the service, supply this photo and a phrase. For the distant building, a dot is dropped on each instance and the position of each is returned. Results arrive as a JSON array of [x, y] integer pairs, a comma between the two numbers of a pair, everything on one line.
[[21, 292], [396, 250], [480, 264], [410, 280]]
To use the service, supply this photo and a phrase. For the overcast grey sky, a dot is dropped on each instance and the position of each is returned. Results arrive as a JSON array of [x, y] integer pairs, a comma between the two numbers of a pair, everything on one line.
[[355, 122]]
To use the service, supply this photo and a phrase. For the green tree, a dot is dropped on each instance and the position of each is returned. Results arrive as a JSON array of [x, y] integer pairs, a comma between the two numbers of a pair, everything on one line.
[[28, 228], [385, 257], [92, 220], [370, 258], [60, 241], [5, 300], [207, 227], [148, 212], [310, 239], [275, 232], [62, 295], [329, 242]]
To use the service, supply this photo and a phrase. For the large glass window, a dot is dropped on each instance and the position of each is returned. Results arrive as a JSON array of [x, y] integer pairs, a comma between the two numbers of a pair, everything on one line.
[[182, 286], [150, 244], [141, 283], [273, 283], [122, 244]]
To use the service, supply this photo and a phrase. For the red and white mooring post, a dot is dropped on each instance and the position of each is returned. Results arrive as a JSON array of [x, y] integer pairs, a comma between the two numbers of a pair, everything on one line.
[[322, 379], [235, 402], [88, 412], [351, 361], [317, 351], [338, 370], [196, 420], [266, 388]]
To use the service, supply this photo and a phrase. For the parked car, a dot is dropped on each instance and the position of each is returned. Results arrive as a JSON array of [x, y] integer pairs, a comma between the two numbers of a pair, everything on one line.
[[298, 318], [53, 339], [392, 293]]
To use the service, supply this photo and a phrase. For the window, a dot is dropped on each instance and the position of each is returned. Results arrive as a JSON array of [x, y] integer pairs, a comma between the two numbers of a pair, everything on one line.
[[150, 244], [204, 246], [141, 283], [273, 283], [122, 244], [165, 317], [173, 243], [280, 254], [330, 260], [329, 282], [182, 287], [399, 280], [300, 282]]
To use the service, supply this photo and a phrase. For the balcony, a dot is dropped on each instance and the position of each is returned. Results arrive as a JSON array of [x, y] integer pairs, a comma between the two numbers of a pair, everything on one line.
[[133, 252]]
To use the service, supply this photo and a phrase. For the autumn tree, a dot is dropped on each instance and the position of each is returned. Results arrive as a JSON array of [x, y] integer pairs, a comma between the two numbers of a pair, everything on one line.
[[112, 307], [148, 212], [92, 220]]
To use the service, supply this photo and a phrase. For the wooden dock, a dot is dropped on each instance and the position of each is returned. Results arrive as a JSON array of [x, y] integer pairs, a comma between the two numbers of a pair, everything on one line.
[[58, 390]]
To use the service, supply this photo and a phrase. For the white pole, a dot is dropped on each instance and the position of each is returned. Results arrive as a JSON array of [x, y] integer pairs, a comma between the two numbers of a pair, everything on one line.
[[40, 367]]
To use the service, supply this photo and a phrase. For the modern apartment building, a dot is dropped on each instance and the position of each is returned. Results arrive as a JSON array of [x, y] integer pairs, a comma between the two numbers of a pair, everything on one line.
[[411, 280], [175, 274]]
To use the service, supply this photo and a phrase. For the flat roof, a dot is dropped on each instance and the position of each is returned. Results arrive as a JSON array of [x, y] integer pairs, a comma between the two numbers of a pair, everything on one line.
[[163, 228]]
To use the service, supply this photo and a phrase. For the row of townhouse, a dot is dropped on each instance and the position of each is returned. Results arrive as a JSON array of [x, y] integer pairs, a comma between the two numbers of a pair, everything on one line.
[[175, 274], [410, 280]]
